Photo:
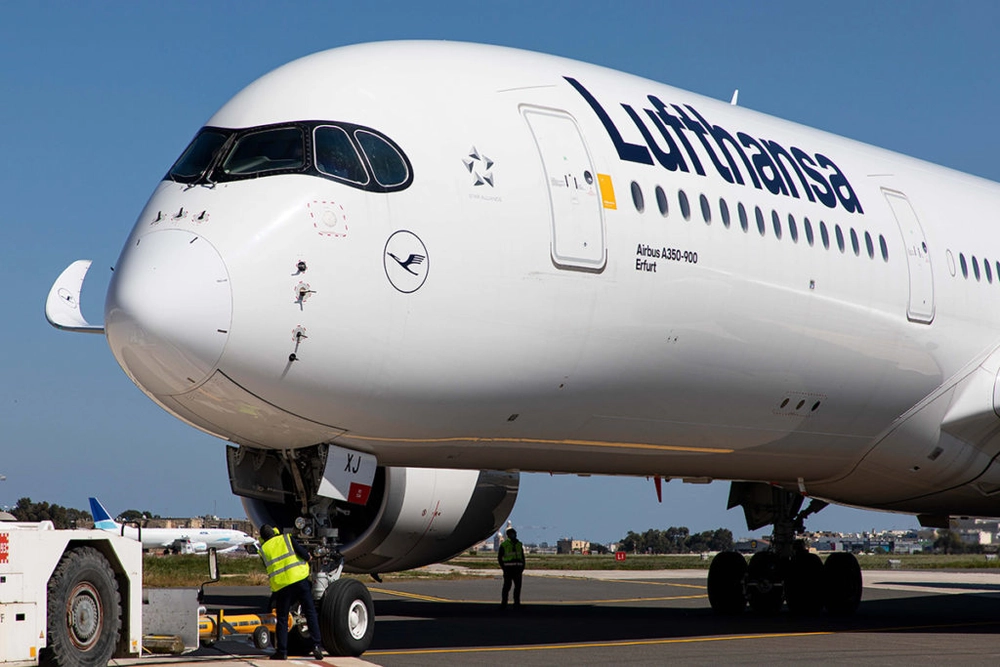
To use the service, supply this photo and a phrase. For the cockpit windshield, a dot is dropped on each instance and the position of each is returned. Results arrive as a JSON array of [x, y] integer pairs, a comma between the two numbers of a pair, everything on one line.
[[350, 154], [268, 150], [199, 154]]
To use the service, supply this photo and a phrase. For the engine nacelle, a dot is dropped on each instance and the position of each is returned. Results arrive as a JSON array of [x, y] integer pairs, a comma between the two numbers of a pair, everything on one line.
[[414, 516]]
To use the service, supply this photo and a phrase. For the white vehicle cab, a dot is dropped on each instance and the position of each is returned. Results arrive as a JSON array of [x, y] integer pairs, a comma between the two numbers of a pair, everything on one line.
[[73, 594]]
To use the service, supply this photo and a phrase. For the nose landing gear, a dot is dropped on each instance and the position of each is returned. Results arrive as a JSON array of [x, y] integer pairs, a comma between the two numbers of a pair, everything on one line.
[[787, 572]]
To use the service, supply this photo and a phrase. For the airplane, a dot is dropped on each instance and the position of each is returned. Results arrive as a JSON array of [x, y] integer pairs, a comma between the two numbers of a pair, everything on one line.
[[173, 540], [616, 277]]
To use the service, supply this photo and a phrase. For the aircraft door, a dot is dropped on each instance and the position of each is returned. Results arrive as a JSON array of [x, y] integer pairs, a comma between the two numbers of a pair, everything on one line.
[[577, 217], [918, 261]]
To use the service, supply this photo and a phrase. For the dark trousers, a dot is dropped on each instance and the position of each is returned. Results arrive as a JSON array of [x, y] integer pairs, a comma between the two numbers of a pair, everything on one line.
[[284, 598], [512, 575]]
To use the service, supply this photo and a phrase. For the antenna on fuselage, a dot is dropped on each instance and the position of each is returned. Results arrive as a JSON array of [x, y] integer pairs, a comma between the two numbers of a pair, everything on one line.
[[736, 97]]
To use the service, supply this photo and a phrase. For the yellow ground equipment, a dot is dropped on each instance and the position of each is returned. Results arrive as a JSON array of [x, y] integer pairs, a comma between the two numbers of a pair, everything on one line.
[[213, 627]]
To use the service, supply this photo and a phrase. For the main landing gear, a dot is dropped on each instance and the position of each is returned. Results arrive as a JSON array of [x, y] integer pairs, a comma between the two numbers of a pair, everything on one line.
[[786, 573]]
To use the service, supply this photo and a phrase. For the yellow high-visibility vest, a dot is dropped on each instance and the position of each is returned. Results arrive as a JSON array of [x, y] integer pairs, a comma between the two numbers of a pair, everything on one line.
[[284, 567], [512, 552]]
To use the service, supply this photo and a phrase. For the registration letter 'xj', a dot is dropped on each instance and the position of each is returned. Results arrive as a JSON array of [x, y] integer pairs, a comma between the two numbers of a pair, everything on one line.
[[357, 466]]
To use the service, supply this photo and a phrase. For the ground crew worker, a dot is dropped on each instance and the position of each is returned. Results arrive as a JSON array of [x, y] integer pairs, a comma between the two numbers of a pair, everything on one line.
[[288, 573], [511, 559]]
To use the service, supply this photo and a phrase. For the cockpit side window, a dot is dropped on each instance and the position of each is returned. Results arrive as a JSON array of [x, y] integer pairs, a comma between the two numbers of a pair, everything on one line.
[[281, 149], [336, 155], [199, 155], [386, 162]]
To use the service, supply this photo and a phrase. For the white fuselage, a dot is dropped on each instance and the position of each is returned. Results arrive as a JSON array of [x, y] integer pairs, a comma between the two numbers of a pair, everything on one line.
[[195, 540], [551, 325]]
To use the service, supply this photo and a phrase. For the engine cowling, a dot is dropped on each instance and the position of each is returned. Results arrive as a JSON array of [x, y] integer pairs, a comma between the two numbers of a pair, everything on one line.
[[414, 516]]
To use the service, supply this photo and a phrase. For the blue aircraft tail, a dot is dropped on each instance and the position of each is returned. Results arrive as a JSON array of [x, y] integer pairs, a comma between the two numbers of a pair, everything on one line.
[[102, 519]]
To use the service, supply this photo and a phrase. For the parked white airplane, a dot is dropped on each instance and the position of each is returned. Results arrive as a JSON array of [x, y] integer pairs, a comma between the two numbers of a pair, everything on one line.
[[382, 269], [176, 540]]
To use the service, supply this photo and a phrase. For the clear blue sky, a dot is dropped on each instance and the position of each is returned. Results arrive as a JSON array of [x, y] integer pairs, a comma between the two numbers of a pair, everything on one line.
[[98, 99]]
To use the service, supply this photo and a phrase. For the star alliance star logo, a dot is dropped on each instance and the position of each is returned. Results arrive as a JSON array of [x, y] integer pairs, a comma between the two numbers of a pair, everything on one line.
[[480, 167]]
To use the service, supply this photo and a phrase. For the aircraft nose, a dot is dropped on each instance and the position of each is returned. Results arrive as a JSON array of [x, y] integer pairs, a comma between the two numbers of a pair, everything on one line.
[[168, 311]]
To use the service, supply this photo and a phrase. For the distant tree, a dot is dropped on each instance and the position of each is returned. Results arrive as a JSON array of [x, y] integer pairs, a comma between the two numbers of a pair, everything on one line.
[[950, 542], [630, 542], [61, 517], [721, 540], [677, 540]]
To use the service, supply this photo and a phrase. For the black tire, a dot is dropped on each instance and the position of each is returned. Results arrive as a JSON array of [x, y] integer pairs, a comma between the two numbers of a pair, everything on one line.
[[262, 638], [843, 584], [725, 583], [347, 617], [84, 610], [805, 584], [764, 583]]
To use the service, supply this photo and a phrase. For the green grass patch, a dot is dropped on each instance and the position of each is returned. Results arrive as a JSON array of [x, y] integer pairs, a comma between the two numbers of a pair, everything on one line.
[[592, 562], [189, 571], [696, 562]]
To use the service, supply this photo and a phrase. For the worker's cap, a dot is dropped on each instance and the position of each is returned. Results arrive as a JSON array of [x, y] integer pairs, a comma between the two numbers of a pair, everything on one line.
[[511, 533], [267, 531]]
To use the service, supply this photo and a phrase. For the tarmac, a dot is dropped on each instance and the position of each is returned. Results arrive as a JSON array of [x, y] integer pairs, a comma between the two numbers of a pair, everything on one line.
[[634, 617]]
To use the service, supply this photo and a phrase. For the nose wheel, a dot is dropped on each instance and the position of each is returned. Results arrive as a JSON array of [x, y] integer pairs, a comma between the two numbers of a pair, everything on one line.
[[347, 618]]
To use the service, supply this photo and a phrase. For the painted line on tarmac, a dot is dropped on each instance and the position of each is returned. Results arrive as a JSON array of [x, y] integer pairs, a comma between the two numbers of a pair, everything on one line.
[[430, 598], [645, 582], [603, 601], [592, 645], [414, 596], [685, 640]]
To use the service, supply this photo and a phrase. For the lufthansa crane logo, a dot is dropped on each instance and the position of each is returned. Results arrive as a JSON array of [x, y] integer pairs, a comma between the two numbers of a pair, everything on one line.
[[405, 261]]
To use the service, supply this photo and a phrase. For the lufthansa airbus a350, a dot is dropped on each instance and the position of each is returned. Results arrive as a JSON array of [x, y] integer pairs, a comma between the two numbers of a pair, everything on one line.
[[393, 275]]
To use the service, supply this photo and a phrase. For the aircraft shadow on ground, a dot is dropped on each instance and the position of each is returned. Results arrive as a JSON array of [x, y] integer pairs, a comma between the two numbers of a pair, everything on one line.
[[411, 624]]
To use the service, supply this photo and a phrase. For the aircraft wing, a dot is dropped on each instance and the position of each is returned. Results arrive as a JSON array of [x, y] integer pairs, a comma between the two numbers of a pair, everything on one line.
[[62, 307], [950, 438]]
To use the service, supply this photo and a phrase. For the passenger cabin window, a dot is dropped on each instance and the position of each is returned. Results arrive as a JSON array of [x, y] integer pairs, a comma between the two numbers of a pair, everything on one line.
[[809, 232], [336, 155], [706, 210], [640, 204], [840, 237], [793, 230], [760, 220], [386, 162], [724, 210], [268, 150], [744, 223], [776, 223], [661, 201], [685, 206], [824, 234]]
